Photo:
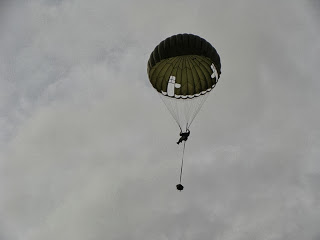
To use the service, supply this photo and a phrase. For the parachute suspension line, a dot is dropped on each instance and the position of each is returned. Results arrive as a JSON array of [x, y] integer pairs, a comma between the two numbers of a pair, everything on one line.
[[184, 146], [176, 110], [198, 105], [170, 108], [184, 110], [188, 108]]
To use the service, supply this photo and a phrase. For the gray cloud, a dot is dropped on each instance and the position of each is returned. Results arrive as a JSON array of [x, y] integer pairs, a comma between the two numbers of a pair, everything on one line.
[[88, 149]]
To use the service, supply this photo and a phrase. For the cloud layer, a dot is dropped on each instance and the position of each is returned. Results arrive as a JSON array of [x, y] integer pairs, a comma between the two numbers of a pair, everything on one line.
[[88, 149]]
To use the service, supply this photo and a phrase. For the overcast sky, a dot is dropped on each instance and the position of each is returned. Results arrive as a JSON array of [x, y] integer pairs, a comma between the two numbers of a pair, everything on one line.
[[87, 148]]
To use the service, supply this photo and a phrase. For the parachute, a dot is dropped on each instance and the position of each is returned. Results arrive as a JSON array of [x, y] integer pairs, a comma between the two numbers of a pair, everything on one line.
[[183, 69]]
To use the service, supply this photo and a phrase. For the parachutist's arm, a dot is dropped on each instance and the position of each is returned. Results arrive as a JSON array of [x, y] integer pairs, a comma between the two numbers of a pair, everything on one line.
[[187, 133]]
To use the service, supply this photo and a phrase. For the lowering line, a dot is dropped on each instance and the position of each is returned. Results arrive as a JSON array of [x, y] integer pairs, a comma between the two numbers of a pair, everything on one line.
[[184, 146]]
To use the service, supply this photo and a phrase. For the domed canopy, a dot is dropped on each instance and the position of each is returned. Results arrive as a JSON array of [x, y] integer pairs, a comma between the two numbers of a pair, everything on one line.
[[184, 66]]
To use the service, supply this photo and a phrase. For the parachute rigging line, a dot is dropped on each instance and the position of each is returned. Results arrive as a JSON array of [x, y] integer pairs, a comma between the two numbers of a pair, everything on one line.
[[197, 105], [172, 108]]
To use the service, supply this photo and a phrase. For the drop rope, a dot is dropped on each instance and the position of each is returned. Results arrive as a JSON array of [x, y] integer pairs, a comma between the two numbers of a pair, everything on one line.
[[184, 146]]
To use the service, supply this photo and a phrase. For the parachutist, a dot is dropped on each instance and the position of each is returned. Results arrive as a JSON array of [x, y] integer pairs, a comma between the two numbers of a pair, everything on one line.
[[179, 187], [184, 136]]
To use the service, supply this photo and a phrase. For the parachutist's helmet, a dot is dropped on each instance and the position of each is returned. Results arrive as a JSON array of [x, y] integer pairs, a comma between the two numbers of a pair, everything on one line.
[[179, 187]]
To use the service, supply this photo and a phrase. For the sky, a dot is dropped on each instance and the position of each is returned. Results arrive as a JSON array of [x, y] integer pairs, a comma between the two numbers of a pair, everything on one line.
[[88, 150]]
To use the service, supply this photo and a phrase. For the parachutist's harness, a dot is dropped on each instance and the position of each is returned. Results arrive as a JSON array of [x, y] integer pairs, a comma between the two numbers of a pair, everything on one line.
[[184, 136]]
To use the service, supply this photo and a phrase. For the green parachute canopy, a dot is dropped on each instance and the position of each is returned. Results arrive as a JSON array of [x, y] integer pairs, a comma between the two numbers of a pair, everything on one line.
[[193, 62], [184, 68]]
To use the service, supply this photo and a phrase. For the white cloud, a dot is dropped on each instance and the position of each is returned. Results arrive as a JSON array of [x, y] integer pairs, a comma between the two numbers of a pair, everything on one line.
[[84, 156]]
